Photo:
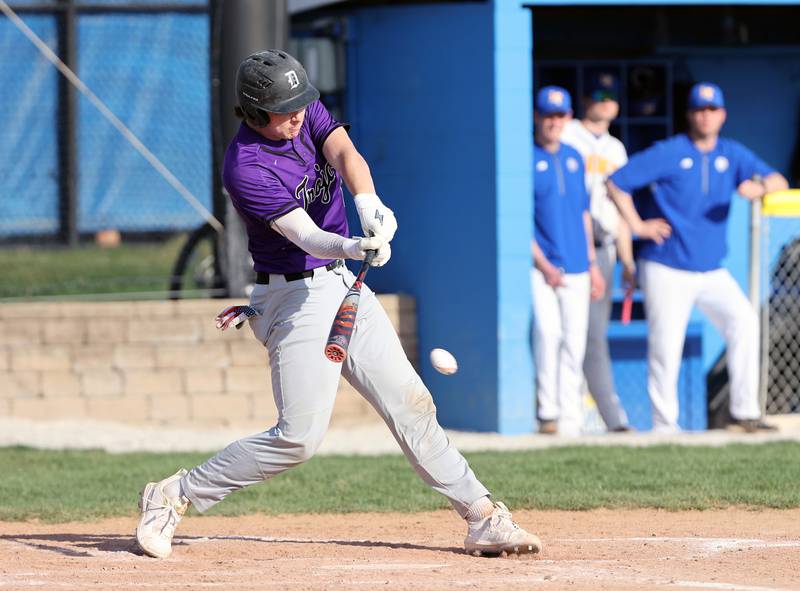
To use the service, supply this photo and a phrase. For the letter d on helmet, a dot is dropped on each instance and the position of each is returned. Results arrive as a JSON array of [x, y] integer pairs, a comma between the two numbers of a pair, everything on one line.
[[272, 81]]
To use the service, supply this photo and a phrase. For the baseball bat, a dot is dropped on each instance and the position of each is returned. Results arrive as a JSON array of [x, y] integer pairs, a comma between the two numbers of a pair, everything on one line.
[[345, 319], [627, 306]]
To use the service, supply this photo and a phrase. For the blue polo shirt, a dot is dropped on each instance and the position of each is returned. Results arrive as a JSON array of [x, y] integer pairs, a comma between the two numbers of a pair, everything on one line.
[[692, 190], [560, 198]]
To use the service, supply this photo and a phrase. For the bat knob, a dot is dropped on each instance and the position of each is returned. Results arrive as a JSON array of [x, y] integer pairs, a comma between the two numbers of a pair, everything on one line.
[[335, 353]]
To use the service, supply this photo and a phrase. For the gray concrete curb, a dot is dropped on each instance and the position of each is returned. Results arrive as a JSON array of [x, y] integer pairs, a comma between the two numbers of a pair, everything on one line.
[[370, 438]]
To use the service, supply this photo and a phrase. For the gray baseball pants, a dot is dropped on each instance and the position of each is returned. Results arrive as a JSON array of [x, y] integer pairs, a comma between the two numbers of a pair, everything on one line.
[[597, 362], [296, 317]]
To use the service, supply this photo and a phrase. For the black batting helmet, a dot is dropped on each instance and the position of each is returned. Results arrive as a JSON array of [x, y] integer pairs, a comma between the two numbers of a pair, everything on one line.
[[272, 81]]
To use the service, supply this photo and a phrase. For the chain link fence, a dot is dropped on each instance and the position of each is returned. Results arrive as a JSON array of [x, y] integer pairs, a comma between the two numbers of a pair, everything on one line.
[[780, 284], [150, 65]]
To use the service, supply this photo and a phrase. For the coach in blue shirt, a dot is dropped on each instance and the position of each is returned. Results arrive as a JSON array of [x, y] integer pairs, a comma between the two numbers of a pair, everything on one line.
[[693, 178], [565, 272]]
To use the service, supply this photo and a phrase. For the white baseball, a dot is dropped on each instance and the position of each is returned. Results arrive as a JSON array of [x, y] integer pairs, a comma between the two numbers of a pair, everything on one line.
[[443, 362]]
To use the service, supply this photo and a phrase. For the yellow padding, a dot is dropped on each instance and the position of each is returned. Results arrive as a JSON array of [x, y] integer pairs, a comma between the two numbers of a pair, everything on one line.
[[782, 203]]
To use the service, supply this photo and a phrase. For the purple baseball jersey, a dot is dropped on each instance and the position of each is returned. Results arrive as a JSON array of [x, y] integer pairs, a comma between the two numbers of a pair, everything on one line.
[[267, 179]]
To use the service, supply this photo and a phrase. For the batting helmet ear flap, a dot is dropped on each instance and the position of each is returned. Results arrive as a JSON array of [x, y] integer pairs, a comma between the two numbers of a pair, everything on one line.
[[259, 117]]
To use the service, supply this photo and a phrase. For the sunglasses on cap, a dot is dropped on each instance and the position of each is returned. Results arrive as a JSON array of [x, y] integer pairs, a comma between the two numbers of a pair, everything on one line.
[[603, 95]]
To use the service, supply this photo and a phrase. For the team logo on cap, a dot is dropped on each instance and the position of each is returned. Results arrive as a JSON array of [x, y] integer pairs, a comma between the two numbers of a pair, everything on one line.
[[555, 97], [572, 164], [721, 163], [541, 166], [686, 163], [606, 80], [706, 92], [291, 77]]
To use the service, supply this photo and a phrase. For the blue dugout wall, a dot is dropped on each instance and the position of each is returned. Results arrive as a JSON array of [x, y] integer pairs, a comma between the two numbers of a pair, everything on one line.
[[442, 115]]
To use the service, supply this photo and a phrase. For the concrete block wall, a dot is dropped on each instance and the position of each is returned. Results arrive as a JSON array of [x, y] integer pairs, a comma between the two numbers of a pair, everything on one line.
[[151, 363]]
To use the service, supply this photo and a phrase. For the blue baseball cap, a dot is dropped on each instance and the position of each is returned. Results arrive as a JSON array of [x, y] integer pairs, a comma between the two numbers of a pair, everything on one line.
[[602, 85], [553, 99], [706, 94]]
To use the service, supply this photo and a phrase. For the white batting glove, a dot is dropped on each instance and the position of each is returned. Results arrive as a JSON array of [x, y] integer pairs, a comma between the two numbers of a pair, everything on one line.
[[375, 217], [382, 256], [235, 316], [357, 247]]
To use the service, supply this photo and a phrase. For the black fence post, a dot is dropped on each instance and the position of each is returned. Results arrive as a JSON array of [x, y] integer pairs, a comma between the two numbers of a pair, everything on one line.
[[67, 120], [241, 27]]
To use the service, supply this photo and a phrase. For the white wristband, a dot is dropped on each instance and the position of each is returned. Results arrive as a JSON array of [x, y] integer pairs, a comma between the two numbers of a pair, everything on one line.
[[363, 200]]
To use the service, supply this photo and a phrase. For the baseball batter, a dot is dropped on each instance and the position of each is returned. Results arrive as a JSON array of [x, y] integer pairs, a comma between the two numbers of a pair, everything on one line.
[[565, 272], [602, 154], [284, 172], [693, 177]]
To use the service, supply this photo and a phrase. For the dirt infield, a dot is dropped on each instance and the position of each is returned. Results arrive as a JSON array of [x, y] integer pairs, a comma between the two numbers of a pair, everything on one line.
[[736, 550]]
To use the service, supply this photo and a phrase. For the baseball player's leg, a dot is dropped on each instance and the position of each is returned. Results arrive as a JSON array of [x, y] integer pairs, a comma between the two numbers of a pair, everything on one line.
[[597, 362], [377, 367], [547, 340], [574, 310], [294, 325], [668, 296], [722, 300]]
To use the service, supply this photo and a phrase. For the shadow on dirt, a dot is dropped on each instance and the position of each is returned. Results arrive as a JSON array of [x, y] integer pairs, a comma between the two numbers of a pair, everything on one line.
[[87, 545]]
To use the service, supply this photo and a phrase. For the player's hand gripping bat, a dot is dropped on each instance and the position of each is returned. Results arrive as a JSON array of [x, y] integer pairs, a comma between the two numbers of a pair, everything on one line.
[[345, 319]]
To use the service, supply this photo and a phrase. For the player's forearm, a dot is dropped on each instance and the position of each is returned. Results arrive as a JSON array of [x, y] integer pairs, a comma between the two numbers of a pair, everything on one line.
[[624, 203], [539, 260], [341, 153], [297, 227], [775, 182], [355, 173], [624, 244]]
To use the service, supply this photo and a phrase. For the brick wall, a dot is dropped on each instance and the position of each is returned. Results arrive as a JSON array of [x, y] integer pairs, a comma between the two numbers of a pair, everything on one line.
[[150, 363]]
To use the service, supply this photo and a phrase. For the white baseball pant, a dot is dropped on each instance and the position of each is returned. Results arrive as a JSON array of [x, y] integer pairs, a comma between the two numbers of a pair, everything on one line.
[[561, 317], [597, 363], [669, 295], [296, 318]]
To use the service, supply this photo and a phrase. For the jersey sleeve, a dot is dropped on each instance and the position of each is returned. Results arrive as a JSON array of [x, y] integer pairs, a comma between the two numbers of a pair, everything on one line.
[[321, 123], [642, 169], [263, 196], [748, 165]]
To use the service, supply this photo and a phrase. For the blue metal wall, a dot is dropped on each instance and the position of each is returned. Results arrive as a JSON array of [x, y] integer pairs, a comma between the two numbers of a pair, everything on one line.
[[441, 114]]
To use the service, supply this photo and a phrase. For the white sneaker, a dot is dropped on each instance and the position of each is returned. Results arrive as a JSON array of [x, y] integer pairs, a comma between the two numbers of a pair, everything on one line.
[[160, 515], [498, 535]]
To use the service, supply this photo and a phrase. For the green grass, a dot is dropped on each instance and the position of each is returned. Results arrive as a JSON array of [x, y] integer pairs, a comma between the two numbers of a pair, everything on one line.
[[53, 270], [79, 485]]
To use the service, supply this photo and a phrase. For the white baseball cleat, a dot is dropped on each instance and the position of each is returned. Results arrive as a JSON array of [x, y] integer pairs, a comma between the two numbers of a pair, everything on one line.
[[498, 535], [160, 516]]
